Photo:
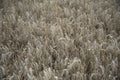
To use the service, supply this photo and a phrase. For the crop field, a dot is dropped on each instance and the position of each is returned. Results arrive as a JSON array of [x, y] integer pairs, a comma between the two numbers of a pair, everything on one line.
[[59, 40]]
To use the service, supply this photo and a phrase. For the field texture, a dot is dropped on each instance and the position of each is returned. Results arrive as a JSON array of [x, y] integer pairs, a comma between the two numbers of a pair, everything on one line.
[[59, 40]]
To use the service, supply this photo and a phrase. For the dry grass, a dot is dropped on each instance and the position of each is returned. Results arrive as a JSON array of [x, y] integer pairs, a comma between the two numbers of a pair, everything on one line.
[[59, 40]]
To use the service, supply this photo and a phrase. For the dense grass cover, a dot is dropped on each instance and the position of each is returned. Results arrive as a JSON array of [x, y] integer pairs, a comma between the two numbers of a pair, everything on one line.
[[59, 40]]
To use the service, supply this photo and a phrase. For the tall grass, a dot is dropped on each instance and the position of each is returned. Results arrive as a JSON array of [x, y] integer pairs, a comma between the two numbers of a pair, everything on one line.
[[59, 40]]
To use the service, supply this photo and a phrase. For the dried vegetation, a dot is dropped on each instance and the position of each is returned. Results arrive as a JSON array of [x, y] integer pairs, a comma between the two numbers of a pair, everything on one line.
[[59, 40]]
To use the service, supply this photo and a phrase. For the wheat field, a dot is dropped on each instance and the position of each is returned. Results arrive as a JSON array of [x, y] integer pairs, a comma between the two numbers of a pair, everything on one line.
[[59, 40]]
